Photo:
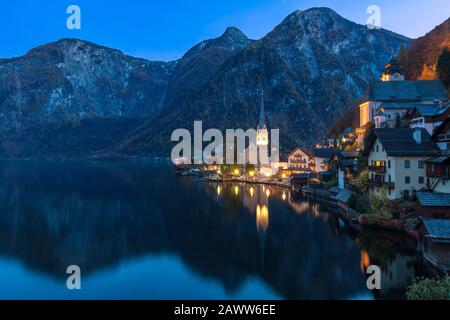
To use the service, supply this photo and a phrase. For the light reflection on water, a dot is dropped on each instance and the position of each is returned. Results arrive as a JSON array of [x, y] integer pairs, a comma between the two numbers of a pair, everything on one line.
[[138, 231]]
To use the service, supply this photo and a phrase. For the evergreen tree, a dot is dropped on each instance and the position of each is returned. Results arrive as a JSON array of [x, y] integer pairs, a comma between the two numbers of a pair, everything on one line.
[[443, 67]]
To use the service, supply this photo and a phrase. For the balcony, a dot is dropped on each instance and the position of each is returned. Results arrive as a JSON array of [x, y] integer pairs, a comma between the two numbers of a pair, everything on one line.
[[381, 183], [377, 169]]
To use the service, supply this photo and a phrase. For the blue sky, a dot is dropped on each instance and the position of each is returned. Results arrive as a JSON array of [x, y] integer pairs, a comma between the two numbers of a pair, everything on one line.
[[166, 29]]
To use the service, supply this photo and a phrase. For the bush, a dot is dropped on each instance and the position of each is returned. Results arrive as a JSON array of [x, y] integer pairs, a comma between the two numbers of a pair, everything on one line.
[[361, 182], [429, 289], [379, 206]]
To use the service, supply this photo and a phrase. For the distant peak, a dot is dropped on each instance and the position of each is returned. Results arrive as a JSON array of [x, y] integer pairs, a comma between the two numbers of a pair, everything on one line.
[[64, 43], [234, 32], [316, 11]]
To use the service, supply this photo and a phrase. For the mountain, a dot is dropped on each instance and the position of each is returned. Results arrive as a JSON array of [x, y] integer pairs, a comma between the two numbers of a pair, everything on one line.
[[311, 67], [73, 77], [201, 62], [420, 59], [419, 62]]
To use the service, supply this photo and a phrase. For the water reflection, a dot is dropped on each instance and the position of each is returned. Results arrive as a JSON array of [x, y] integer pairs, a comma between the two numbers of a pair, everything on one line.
[[262, 217], [232, 241]]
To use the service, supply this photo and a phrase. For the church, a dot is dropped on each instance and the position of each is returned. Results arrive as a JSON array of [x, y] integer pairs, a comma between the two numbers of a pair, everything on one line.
[[391, 97], [266, 164]]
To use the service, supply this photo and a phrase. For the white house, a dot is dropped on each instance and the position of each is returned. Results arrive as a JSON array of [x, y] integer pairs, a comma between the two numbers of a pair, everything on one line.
[[392, 96], [322, 158], [300, 159], [397, 160]]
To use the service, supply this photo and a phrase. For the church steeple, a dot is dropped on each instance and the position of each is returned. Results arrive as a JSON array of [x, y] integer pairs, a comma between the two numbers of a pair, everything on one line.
[[262, 135], [262, 114]]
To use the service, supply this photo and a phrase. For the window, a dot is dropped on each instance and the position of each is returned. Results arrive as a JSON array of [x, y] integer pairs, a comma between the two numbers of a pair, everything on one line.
[[407, 180], [389, 164], [390, 179], [406, 194], [421, 165], [433, 167], [421, 180], [378, 148], [407, 164]]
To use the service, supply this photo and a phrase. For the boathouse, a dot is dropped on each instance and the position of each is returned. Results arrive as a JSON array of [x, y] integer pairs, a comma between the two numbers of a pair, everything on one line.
[[434, 242]]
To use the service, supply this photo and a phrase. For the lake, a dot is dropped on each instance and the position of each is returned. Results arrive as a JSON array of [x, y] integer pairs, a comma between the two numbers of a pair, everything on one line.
[[138, 231]]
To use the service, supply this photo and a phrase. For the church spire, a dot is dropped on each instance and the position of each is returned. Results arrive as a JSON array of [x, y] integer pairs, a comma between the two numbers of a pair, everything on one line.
[[262, 135], [262, 115]]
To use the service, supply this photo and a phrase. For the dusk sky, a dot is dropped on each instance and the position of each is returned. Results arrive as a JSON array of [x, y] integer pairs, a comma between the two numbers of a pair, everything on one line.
[[164, 30]]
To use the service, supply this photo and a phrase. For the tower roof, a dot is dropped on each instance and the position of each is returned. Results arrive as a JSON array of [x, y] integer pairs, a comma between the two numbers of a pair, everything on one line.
[[262, 115]]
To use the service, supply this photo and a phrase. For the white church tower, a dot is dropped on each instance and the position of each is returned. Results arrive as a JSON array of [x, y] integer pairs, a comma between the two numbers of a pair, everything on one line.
[[262, 134]]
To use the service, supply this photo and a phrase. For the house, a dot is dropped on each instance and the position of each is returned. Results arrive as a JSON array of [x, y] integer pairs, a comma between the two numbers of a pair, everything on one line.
[[438, 174], [438, 168], [433, 204], [391, 97], [441, 136], [322, 158], [300, 159], [393, 71], [302, 179], [397, 160], [428, 117], [388, 114], [344, 163], [397, 97], [434, 242]]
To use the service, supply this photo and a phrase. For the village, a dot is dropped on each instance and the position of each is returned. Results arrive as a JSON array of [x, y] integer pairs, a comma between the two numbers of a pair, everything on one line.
[[392, 172]]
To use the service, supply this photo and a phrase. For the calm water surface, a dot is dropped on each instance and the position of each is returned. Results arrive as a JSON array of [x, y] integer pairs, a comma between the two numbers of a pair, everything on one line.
[[139, 232]]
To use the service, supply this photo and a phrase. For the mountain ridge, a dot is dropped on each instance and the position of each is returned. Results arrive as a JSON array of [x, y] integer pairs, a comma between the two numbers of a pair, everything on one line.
[[311, 66]]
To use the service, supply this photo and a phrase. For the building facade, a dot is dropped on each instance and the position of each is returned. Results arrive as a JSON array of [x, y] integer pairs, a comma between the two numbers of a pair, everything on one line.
[[300, 159], [397, 160]]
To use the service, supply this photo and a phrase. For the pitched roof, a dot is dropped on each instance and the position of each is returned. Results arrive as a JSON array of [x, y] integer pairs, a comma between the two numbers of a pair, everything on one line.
[[304, 150], [440, 130], [431, 110], [326, 153], [399, 105], [400, 142], [350, 154], [433, 199], [343, 195], [438, 229], [438, 160], [407, 90]]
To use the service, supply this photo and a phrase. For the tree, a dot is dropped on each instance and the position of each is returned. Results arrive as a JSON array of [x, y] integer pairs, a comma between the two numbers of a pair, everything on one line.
[[361, 182], [443, 67], [379, 205], [404, 59], [429, 289]]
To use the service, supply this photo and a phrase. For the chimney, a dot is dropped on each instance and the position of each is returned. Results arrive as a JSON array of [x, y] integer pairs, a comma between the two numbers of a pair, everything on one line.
[[417, 135]]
